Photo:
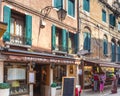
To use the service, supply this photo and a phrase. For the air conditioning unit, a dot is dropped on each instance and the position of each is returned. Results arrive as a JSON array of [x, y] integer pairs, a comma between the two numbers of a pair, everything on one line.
[[42, 23]]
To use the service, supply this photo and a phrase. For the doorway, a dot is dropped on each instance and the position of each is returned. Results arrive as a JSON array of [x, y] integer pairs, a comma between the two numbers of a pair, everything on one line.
[[42, 79]]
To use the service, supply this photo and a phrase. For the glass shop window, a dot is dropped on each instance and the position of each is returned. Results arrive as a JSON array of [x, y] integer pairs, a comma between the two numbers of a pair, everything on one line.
[[58, 72], [16, 76]]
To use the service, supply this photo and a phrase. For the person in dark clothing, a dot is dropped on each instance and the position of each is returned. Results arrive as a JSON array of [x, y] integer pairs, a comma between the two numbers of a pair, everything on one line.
[[96, 79]]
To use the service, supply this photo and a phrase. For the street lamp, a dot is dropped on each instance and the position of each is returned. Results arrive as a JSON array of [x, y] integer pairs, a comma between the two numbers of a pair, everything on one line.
[[45, 12], [61, 14]]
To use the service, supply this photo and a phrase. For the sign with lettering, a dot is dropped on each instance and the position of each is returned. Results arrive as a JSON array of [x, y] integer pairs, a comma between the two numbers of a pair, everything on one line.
[[68, 86], [31, 77], [45, 60]]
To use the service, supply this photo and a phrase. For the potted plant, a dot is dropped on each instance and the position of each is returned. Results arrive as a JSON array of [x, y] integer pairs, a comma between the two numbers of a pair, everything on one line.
[[53, 89], [4, 89]]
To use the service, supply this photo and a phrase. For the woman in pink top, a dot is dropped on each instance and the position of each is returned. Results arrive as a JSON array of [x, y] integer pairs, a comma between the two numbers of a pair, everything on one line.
[[102, 79]]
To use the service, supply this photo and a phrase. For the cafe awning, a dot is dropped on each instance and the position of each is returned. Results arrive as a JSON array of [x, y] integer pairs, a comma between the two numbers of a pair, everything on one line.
[[39, 57], [103, 63], [3, 27]]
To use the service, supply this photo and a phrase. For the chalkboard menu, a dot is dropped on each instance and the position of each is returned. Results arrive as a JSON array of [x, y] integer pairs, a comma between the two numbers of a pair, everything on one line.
[[68, 86]]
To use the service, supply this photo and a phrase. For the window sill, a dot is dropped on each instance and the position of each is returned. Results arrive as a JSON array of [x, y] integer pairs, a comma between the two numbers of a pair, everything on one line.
[[58, 51], [11, 44]]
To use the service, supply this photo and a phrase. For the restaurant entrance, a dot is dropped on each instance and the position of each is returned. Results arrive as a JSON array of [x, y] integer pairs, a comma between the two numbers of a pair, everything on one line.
[[41, 79]]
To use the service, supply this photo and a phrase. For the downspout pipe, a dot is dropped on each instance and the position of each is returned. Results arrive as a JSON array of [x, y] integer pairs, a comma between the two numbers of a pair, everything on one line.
[[78, 24], [78, 35]]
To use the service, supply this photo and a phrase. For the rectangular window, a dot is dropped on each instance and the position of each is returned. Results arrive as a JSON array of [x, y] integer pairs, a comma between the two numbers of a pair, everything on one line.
[[71, 8], [58, 4], [104, 15], [16, 76], [58, 39], [119, 26], [86, 5], [58, 72], [112, 20], [17, 29]]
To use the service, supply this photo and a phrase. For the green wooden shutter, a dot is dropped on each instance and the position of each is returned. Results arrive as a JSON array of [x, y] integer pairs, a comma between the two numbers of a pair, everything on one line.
[[64, 39], [76, 45], [118, 49], [89, 41], [53, 37], [112, 20], [28, 34], [85, 41], [105, 46], [7, 19], [113, 47], [67, 43]]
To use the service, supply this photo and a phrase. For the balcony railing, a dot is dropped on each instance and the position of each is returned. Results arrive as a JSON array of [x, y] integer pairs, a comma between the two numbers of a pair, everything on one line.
[[17, 40], [68, 50]]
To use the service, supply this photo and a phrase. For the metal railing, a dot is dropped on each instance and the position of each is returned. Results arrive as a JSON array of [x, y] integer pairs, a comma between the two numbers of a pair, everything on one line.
[[17, 39], [69, 50]]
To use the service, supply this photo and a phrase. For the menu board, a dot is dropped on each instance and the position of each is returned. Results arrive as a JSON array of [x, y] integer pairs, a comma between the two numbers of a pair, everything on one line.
[[31, 79], [16, 74], [68, 86]]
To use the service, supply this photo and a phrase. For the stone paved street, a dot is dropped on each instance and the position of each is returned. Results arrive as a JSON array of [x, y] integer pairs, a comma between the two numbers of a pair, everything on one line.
[[107, 92]]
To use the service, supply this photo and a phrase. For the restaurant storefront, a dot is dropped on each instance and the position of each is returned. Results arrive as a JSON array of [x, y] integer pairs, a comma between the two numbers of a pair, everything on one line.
[[48, 68], [90, 66]]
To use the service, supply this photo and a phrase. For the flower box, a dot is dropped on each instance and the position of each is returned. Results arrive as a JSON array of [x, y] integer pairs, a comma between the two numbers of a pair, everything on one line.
[[4, 89], [53, 89]]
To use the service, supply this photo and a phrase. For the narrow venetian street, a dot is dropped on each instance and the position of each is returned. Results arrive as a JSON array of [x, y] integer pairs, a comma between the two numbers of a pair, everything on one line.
[[107, 92]]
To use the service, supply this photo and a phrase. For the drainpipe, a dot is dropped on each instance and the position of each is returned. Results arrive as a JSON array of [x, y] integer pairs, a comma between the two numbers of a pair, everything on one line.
[[78, 32], [78, 23]]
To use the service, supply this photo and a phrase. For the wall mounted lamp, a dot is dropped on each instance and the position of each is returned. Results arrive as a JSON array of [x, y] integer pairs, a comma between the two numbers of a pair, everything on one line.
[[45, 12]]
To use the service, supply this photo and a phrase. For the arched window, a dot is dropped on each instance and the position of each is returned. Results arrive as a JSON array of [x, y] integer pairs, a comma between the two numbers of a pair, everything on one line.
[[87, 39], [105, 45], [113, 50]]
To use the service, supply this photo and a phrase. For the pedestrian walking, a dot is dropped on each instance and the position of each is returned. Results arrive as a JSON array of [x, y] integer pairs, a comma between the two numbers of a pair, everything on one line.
[[96, 79], [102, 78], [114, 84], [117, 76]]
